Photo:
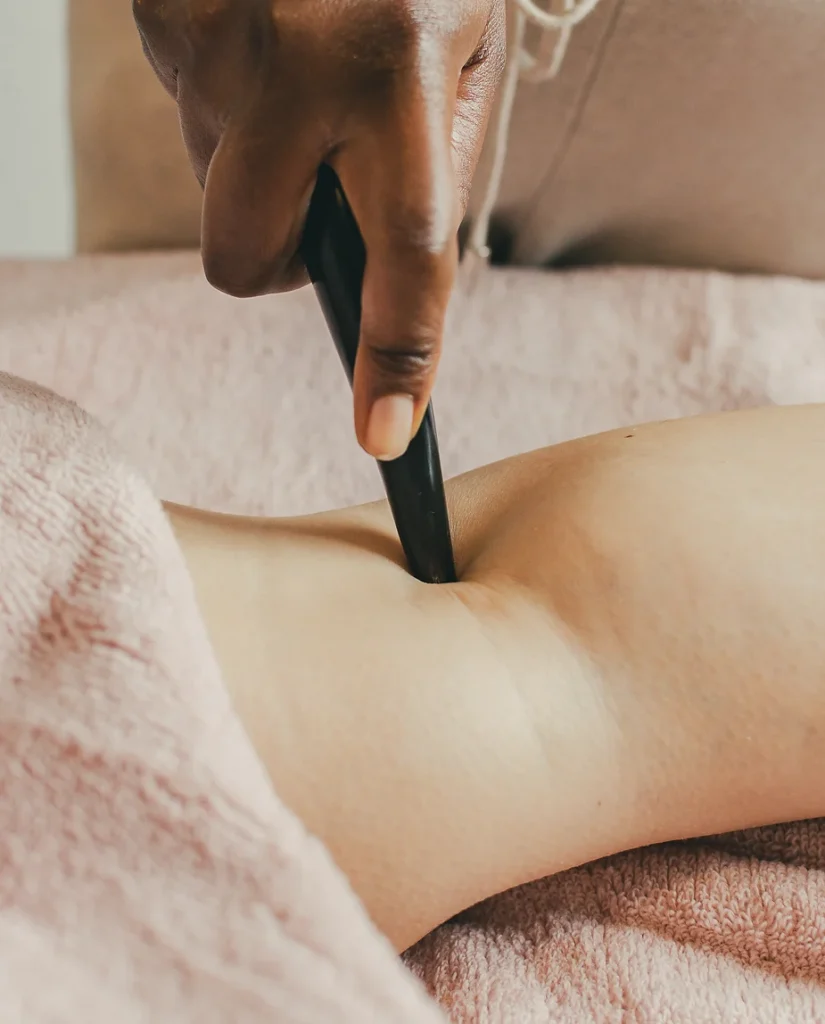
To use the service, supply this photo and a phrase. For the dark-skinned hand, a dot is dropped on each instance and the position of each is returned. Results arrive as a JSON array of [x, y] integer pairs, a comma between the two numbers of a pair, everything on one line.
[[395, 95]]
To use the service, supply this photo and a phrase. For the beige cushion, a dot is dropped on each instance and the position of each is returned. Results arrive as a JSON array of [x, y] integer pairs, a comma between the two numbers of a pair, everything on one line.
[[682, 132], [134, 187], [688, 132]]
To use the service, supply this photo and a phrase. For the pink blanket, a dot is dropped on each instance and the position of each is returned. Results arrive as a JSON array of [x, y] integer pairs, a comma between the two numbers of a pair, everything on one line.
[[149, 871]]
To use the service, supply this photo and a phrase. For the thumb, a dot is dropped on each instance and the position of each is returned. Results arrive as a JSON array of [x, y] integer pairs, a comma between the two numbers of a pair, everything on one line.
[[406, 292], [404, 196]]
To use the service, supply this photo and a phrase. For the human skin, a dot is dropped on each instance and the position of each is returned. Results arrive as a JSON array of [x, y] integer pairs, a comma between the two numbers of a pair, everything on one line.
[[395, 95], [634, 654]]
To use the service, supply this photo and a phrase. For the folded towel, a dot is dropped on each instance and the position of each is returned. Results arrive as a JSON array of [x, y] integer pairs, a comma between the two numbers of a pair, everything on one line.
[[242, 406], [147, 870]]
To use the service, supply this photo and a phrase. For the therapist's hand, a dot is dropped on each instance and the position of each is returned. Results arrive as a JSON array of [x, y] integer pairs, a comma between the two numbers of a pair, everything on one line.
[[395, 94]]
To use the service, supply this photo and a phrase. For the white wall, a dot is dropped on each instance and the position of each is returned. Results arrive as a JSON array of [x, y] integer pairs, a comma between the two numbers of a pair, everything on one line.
[[36, 204]]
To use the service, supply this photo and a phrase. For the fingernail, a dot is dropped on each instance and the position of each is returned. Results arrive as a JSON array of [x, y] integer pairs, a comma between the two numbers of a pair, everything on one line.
[[389, 429]]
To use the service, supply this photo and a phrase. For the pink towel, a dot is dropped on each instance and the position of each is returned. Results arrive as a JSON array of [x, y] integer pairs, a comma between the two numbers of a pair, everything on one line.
[[147, 870], [178, 887]]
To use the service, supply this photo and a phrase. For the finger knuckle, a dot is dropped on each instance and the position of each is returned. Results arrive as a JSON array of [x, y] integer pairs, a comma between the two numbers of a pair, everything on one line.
[[410, 364], [244, 279], [490, 56], [497, 57], [421, 233], [214, 15], [372, 40], [145, 11], [149, 18], [235, 277], [411, 228]]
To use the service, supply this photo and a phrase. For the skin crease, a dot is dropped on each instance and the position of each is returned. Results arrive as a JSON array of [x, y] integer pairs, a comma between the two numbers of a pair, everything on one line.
[[634, 654], [395, 94]]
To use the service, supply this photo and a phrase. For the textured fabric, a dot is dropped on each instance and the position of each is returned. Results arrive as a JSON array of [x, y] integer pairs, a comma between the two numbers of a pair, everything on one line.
[[147, 871], [243, 406], [683, 934]]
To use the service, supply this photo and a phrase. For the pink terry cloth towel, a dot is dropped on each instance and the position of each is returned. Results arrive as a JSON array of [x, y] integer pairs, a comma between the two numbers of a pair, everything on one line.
[[148, 873], [242, 406]]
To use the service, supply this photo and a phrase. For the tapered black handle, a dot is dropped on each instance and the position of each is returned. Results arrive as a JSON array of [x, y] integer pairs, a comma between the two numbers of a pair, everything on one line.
[[335, 257]]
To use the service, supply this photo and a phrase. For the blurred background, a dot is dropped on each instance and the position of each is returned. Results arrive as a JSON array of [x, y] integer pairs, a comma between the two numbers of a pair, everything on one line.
[[36, 200]]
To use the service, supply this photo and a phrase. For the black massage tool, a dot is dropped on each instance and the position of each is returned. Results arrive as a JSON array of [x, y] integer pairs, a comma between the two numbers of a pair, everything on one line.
[[334, 253]]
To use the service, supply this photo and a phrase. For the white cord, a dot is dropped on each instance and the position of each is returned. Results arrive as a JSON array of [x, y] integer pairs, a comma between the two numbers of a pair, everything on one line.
[[552, 49], [574, 12], [523, 66]]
